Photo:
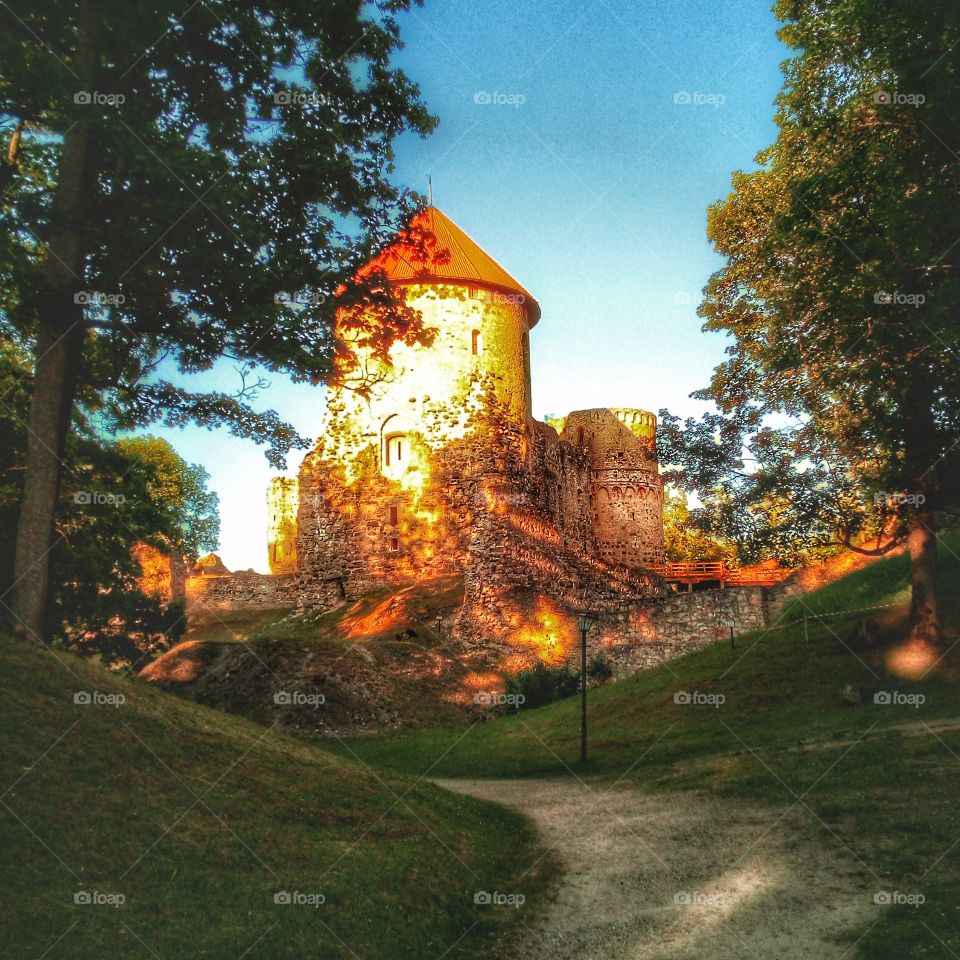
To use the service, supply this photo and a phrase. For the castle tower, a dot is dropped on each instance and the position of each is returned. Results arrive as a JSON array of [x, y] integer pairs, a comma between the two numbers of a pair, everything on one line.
[[439, 468], [482, 318], [626, 489], [423, 419]]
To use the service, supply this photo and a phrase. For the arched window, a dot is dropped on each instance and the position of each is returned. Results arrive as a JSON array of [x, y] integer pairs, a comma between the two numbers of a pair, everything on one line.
[[396, 450], [476, 342], [580, 436]]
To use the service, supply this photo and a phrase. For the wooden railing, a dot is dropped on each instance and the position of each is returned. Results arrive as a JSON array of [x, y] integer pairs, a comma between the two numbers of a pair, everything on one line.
[[706, 571]]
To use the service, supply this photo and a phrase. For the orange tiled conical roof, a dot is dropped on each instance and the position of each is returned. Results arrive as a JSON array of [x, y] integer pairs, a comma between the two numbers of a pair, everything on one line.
[[457, 259]]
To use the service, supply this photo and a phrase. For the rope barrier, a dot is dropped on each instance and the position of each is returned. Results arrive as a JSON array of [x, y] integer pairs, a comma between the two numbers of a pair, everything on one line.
[[776, 625]]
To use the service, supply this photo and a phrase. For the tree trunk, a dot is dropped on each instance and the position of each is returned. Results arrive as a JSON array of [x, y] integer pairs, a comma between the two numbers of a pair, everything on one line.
[[921, 457], [924, 610], [60, 328], [54, 385]]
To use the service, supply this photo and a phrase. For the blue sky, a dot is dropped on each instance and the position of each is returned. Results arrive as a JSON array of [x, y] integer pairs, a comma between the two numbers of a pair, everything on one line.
[[584, 178]]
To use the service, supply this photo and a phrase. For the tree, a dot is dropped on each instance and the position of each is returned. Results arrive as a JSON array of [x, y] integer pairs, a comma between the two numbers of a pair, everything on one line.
[[110, 500], [185, 182], [684, 533], [840, 286], [180, 489], [784, 493]]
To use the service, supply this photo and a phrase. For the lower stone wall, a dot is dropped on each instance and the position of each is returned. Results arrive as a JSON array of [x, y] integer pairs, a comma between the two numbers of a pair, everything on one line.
[[641, 635], [236, 591]]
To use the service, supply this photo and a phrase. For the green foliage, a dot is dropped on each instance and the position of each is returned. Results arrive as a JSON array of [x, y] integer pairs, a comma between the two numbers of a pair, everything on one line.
[[840, 292], [113, 496], [179, 488], [683, 537], [599, 669], [235, 176], [541, 685]]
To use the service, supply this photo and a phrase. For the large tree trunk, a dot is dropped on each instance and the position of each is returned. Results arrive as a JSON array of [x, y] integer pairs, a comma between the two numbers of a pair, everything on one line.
[[924, 610], [921, 457], [59, 342]]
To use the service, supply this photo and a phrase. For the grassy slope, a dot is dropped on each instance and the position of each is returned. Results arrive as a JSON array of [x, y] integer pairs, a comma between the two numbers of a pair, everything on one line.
[[199, 818], [890, 797]]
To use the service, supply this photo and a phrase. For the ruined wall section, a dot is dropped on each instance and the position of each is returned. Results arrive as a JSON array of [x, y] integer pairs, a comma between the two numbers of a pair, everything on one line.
[[283, 504], [242, 591]]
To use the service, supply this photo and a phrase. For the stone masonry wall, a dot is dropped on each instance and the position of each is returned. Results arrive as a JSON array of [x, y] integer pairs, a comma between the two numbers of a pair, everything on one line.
[[236, 591]]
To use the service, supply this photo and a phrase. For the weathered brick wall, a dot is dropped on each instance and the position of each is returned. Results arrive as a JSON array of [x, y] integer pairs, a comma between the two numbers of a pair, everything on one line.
[[630, 634], [626, 490], [236, 591]]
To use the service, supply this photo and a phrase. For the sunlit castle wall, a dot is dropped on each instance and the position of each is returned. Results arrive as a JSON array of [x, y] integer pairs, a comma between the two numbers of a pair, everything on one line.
[[390, 490], [283, 503]]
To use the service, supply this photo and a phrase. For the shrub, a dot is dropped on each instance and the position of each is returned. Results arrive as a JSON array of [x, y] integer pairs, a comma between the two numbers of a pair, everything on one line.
[[541, 685], [599, 669]]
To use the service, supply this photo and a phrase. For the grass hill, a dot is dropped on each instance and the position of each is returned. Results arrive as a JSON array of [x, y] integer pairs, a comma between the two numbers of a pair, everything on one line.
[[139, 825], [768, 721]]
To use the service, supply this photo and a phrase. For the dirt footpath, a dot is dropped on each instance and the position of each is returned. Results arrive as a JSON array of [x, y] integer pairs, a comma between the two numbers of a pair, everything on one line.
[[683, 876]]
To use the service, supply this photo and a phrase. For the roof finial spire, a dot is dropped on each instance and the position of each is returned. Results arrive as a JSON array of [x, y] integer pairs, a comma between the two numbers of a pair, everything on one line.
[[430, 184]]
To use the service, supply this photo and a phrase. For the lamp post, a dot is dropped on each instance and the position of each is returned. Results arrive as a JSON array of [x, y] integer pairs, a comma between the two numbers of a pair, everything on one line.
[[584, 621]]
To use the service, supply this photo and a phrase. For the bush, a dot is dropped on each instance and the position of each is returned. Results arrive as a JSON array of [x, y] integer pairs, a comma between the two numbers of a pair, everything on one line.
[[599, 669], [542, 685]]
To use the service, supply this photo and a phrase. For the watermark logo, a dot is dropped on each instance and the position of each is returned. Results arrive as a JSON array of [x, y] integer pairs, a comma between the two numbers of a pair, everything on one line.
[[515, 298], [893, 98], [97, 498], [97, 898], [298, 898], [896, 698], [296, 698], [96, 698], [305, 299], [885, 298], [94, 98], [493, 699], [296, 98], [698, 98], [685, 898], [884, 499], [92, 298], [895, 898], [497, 99], [695, 698], [487, 898]]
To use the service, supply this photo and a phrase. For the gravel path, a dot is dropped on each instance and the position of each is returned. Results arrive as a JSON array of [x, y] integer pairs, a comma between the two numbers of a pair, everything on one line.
[[682, 876]]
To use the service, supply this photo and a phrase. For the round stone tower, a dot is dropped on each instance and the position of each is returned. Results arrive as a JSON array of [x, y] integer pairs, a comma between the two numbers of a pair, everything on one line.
[[626, 490], [429, 396], [390, 491]]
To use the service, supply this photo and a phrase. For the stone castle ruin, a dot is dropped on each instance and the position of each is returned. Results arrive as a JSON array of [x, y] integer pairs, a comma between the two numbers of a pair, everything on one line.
[[442, 470]]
